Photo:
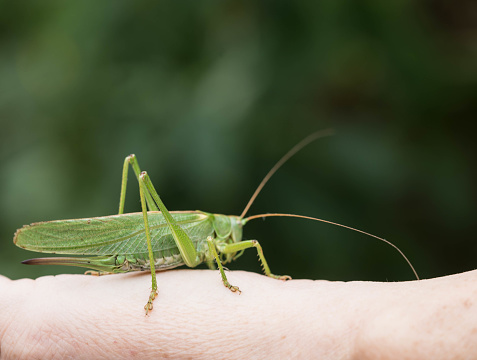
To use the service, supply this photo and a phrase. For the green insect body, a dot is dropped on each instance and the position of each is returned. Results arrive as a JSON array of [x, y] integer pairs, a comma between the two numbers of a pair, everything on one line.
[[155, 239], [124, 236]]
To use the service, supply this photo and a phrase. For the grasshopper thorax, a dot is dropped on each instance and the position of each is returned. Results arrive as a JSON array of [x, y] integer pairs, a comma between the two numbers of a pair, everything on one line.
[[228, 230]]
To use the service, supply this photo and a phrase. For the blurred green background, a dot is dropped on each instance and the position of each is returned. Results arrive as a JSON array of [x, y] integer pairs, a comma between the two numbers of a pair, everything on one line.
[[209, 95]]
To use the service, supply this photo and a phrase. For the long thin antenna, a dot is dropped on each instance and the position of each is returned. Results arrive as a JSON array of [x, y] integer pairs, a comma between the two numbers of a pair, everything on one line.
[[244, 221], [288, 155]]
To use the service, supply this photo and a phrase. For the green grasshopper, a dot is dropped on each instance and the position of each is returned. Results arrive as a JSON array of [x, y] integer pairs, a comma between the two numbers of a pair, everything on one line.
[[156, 238]]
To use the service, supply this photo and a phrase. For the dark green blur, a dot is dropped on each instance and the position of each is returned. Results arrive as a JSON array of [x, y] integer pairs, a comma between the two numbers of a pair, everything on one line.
[[209, 95]]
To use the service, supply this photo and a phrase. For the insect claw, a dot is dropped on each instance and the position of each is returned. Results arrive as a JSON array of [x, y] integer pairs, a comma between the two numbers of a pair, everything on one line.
[[235, 289], [148, 307]]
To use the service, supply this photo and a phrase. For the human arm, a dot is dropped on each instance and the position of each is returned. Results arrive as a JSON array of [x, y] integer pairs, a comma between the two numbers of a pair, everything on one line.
[[194, 316]]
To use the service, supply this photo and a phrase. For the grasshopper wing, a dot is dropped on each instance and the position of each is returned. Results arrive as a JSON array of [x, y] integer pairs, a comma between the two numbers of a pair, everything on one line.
[[109, 235]]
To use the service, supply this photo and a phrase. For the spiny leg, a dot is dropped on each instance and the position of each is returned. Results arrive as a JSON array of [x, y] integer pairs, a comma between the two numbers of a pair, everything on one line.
[[153, 293], [212, 251], [240, 246], [131, 160]]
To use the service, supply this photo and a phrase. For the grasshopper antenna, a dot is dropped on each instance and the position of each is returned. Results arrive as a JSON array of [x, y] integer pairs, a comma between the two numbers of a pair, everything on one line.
[[310, 138], [244, 221]]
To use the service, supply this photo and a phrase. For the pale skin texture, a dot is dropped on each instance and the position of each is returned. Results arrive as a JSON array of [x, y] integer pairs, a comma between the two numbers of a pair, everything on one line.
[[196, 317]]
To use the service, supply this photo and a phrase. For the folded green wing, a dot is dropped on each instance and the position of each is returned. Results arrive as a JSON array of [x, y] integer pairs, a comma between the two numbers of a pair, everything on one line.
[[109, 235]]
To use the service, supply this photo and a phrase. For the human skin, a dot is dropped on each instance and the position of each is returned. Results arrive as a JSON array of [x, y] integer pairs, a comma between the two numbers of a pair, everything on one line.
[[196, 317]]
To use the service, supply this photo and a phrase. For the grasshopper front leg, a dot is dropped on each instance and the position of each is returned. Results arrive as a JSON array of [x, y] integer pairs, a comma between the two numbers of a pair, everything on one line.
[[235, 247]]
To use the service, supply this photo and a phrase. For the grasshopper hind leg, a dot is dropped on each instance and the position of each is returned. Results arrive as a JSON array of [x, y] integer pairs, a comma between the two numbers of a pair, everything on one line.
[[131, 160], [152, 296]]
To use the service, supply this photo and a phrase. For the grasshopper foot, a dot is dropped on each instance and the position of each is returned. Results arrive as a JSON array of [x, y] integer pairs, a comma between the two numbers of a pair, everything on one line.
[[148, 307], [232, 288], [280, 277]]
